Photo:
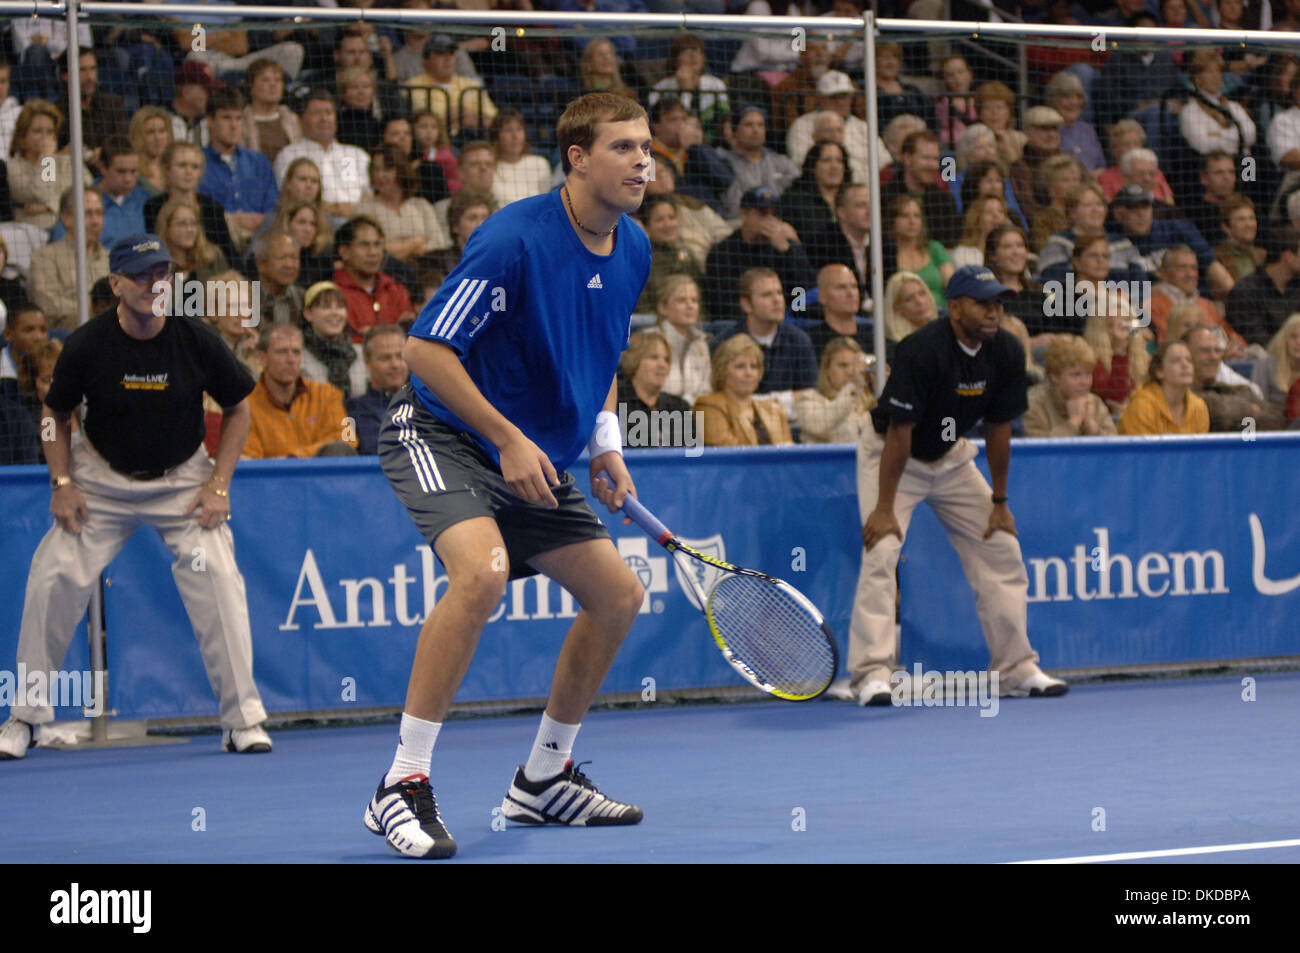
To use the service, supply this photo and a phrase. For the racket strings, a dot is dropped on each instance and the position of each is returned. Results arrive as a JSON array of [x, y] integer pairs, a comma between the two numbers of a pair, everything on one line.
[[772, 633]]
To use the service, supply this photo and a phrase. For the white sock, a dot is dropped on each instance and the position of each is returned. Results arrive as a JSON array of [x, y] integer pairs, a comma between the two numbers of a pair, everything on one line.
[[551, 749], [414, 749]]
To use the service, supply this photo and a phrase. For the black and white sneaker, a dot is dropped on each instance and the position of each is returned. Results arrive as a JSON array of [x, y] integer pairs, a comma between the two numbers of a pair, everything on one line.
[[568, 798], [406, 816]]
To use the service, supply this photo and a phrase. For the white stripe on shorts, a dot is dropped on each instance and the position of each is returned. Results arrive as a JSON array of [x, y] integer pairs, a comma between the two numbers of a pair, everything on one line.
[[426, 468], [466, 293]]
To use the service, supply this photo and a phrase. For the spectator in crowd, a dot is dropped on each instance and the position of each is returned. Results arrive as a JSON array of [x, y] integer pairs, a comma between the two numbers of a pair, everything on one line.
[[1121, 352], [9, 109], [279, 263], [626, 45], [102, 114], [1278, 371], [1043, 133], [840, 406], [1133, 78], [459, 102], [677, 304], [433, 146], [150, 134], [701, 93], [237, 326], [830, 126], [995, 106], [358, 122], [763, 240], [1273, 88], [13, 291], [894, 97], [754, 165], [987, 178], [1177, 285], [292, 416], [386, 372], [848, 240], [1064, 404], [302, 183], [345, 170], [980, 218], [478, 166], [328, 352], [759, 54], [909, 305], [797, 94], [37, 175], [920, 180], [668, 255], [1065, 94], [520, 173], [268, 124], [733, 415], [119, 186], [1132, 210], [1085, 214], [1238, 251], [1006, 254], [194, 82], [1235, 404], [788, 356], [1134, 164], [238, 179], [25, 328], [381, 98], [408, 59], [374, 297], [52, 276], [400, 133], [1057, 177], [700, 170], [976, 146], [809, 203], [1218, 184], [1210, 121], [179, 227], [411, 227], [954, 110], [183, 166], [307, 223], [1259, 304], [701, 227], [466, 211], [227, 50], [601, 70], [835, 95], [35, 375], [909, 247], [1165, 404], [642, 373], [838, 300]]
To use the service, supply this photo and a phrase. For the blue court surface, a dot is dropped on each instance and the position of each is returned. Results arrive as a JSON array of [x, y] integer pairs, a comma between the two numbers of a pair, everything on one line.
[[1164, 766]]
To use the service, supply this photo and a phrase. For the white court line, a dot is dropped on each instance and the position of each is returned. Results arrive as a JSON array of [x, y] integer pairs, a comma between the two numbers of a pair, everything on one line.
[[1178, 852]]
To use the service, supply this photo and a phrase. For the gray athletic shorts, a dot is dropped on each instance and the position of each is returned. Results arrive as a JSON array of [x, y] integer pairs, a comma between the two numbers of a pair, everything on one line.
[[444, 477]]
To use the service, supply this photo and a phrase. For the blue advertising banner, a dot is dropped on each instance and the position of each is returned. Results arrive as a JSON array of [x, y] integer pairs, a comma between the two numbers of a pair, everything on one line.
[[1139, 551]]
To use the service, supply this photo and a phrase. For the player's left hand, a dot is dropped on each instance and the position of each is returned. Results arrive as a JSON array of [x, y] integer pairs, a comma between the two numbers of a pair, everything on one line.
[[214, 509], [1001, 519], [611, 496]]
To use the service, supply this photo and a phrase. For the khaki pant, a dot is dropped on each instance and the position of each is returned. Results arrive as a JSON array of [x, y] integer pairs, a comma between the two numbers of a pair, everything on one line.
[[67, 566], [962, 500]]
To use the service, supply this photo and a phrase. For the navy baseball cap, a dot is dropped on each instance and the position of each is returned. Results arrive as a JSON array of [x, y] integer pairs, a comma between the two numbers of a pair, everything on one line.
[[137, 253], [976, 281], [760, 197]]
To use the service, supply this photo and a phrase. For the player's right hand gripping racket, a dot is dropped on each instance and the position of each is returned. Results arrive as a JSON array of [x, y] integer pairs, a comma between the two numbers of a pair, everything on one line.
[[768, 631]]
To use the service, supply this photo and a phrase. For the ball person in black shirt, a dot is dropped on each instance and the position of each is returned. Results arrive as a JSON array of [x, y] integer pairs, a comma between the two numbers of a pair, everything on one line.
[[139, 459], [946, 376]]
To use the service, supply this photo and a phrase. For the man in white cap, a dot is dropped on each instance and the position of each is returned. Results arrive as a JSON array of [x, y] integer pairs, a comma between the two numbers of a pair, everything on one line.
[[946, 376]]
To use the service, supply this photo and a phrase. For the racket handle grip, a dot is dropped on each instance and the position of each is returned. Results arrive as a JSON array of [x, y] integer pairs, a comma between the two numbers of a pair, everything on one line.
[[640, 515]]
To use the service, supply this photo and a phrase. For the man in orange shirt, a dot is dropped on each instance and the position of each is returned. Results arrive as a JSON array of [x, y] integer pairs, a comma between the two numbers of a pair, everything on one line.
[[374, 296], [293, 417]]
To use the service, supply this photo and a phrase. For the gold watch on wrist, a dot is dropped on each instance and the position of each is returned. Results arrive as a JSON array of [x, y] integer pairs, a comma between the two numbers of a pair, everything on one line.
[[57, 482]]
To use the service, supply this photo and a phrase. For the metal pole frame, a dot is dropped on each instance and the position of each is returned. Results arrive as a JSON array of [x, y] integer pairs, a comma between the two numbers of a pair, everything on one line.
[[875, 251]]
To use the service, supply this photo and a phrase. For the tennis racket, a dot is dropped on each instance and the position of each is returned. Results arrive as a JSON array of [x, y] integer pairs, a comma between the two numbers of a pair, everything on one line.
[[768, 631]]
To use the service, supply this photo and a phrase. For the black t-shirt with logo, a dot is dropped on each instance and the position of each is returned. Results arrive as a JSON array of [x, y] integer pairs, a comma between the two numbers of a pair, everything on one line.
[[144, 399], [944, 391]]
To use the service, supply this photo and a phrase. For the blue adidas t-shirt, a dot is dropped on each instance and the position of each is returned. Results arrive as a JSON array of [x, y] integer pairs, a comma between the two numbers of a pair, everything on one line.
[[539, 322]]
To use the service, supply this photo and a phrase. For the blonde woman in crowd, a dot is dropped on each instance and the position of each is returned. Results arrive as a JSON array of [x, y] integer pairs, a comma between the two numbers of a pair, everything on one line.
[[1278, 371], [908, 306], [1064, 404], [841, 405], [678, 306], [984, 214], [1121, 352], [732, 415], [179, 227], [150, 133]]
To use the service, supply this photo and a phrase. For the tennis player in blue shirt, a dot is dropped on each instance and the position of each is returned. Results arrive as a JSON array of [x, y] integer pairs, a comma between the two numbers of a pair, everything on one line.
[[512, 376]]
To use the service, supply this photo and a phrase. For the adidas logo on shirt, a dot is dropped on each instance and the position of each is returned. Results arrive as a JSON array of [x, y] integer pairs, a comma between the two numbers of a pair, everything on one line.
[[595, 282]]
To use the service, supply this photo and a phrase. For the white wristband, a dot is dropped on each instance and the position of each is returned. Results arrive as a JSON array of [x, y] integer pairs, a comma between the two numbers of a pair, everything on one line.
[[606, 437]]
